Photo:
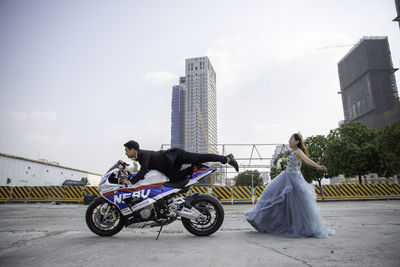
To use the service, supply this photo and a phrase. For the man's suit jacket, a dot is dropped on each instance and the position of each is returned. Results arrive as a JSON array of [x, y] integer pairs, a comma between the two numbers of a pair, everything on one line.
[[163, 161]]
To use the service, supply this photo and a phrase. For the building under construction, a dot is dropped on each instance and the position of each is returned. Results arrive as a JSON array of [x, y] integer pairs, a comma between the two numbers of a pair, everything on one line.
[[368, 85]]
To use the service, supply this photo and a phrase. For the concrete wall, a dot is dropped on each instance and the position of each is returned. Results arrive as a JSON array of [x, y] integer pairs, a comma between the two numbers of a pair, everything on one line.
[[18, 171]]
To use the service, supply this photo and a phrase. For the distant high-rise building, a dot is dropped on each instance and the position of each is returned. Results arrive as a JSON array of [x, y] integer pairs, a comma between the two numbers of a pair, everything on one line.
[[200, 121], [175, 107], [397, 4], [177, 114], [368, 85], [175, 110]]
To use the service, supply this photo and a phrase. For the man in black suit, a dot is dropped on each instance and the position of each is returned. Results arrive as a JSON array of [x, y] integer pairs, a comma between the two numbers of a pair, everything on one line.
[[170, 161]]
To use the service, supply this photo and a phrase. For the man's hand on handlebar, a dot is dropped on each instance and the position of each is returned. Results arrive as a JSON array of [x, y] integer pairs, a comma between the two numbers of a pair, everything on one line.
[[125, 181]]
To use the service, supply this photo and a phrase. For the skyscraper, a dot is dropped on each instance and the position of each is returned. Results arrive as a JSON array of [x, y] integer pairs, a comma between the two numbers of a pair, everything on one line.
[[194, 111], [368, 85], [177, 114], [200, 123]]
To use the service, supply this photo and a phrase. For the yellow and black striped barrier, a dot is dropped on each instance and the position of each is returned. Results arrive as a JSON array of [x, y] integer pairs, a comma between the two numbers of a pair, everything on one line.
[[223, 193], [233, 195], [5, 192], [20, 193], [73, 193], [200, 189], [39, 193], [56, 193], [365, 190], [383, 190], [396, 189], [359, 192], [258, 191], [348, 191], [193, 189], [91, 190], [241, 194], [317, 191], [331, 191]]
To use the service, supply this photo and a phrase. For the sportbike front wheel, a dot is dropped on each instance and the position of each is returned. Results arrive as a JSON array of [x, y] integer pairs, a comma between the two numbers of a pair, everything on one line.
[[214, 216], [103, 218]]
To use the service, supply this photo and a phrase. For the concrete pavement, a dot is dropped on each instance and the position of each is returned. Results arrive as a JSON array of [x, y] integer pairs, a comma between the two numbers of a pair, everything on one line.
[[367, 234]]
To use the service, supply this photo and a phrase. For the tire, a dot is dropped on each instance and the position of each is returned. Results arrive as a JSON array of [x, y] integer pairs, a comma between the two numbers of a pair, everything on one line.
[[210, 206], [100, 225]]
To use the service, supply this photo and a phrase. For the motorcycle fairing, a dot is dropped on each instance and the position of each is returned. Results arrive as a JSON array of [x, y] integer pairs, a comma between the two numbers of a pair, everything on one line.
[[143, 193], [146, 194], [198, 172]]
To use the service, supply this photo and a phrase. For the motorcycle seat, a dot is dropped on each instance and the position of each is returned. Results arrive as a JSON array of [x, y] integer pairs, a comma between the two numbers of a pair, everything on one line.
[[179, 184]]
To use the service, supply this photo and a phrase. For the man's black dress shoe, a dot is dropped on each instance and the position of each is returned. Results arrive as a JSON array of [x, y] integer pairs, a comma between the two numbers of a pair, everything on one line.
[[233, 162]]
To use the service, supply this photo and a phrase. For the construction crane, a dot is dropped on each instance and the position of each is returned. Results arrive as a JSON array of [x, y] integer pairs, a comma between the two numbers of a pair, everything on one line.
[[334, 46], [203, 128]]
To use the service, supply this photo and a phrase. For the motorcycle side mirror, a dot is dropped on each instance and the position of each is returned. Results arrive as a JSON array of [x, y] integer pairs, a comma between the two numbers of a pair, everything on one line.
[[122, 163]]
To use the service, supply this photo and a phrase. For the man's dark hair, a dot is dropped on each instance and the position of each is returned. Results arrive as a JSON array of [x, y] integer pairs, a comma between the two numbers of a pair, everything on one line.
[[132, 144]]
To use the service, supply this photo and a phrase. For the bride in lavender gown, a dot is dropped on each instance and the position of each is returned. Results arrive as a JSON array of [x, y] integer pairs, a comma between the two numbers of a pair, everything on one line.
[[288, 205]]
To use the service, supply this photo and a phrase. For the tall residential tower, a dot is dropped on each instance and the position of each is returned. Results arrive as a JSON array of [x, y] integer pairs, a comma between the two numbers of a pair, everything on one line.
[[200, 123]]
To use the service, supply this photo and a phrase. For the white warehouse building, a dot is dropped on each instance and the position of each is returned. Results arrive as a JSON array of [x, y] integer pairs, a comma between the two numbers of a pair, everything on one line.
[[18, 171]]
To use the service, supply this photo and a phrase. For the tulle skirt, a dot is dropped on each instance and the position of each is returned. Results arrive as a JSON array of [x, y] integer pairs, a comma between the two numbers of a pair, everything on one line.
[[288, 208]]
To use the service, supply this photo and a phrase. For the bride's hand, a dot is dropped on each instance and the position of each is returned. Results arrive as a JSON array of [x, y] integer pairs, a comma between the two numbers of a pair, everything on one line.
[[322, 168]]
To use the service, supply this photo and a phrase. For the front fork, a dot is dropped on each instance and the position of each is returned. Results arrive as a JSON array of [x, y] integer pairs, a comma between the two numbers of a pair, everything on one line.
[[105, 211]]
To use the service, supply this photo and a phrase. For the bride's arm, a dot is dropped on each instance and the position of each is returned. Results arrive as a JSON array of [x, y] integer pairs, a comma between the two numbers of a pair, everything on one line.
[[300, 154]]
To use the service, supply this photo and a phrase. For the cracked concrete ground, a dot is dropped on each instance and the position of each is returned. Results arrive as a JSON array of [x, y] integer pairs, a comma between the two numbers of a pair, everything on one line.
[[367, 234]]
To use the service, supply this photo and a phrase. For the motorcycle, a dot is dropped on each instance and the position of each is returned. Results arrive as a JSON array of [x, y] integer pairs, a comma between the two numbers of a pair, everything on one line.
[[152, 202]]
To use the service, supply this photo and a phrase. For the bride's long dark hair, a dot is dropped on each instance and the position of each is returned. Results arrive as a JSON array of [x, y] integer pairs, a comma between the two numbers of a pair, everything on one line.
[[300, 145]]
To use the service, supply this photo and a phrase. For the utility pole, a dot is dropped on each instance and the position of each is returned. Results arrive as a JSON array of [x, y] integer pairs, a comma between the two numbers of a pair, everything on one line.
[[252, 187]]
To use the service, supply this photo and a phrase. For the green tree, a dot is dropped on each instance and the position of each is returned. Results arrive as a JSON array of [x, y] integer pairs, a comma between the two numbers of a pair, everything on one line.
[[316, 146], [244, 178], [275, 169], [351, 150], [388, 147]]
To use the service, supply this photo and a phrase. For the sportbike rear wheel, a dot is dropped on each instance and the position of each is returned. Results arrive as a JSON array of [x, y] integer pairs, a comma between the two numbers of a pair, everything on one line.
[[214, 216], [103, 218]]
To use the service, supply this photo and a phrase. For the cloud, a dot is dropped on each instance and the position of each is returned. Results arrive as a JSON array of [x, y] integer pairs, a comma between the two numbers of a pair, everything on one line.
[[36, 116], [226, 66], [161, 77], [235, 56], [38, 130], [39, 138]]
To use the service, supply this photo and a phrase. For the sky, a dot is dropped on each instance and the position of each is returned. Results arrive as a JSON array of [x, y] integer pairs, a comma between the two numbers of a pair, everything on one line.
[[79, 78]]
